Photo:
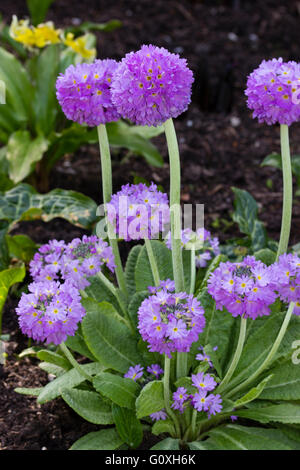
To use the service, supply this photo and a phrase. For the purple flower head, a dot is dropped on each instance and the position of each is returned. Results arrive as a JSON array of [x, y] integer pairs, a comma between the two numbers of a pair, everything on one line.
[[151, 85], [203, 357], [76, 261], [46, 263], [200, 400], [134, 372], [51, 311], [170, 322], [214, 404], [138, 211], [84, 93], [155, 370], [287, 274], [272, 91], [244, 289], [179, 399], [204, 244], [159, 415], [204, 382]]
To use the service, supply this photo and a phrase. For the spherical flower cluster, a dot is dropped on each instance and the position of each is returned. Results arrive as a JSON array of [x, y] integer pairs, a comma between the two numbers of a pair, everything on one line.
[[51, 311], [170, 321], [204, 244], [287, 274], [272, 91], [151, 86], [138, 211], [84, 93], [75, 262], [246, 289]]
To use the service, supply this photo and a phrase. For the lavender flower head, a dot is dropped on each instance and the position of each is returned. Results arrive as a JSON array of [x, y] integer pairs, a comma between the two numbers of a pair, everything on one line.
[[84, 93], [170, 321], [76, 261], [151, 86], [272, 91], [287, 274], [134, 372], [204, 244], [51, 311], [159, 415], [46, 263], [244, 289], [138, 211]]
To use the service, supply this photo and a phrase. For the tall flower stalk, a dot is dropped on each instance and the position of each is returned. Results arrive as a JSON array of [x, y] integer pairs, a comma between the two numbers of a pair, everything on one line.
[[107, 193], [287, 191]]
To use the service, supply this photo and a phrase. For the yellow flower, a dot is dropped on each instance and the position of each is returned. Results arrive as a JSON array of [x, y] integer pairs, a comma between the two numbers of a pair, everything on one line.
[[79, 45], [41, 36], [45, 33], [21, 31]]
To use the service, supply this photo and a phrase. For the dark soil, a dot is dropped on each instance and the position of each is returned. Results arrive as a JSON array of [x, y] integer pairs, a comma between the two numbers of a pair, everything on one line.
[[221, 146]]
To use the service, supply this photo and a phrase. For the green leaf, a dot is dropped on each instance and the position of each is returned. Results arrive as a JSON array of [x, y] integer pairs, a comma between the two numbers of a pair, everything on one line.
[[21, 247], [273, 159], [118, 389], [266, 255], [135, 303], [8, 278], [186, 382], [120, 134], [38, 10], [86, 26], [245, 215], [167, 444], [283, 413], [128, 426], [69, 380], [254, 393], [285, 383], [108, 338], [34, 392], [24, 203], [78, 344], [163, 426], [88, 405], [106, 439], [202, 445], [130, 269], [19, 92], [4, 254], [22, 153], [45, 103], [143, 273], [52, 369], [151, 399], [54, 358], [261, 334], [99, 292], [235, 437]]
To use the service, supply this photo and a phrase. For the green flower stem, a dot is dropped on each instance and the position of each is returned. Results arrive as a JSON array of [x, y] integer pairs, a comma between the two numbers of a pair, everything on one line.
[[193, 270], [236, 356], [175, 205], [287, 190], [166, 383], [116, 294], [175, 220], [271, 354], [74, 363], [152, 261], [107, 193]]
